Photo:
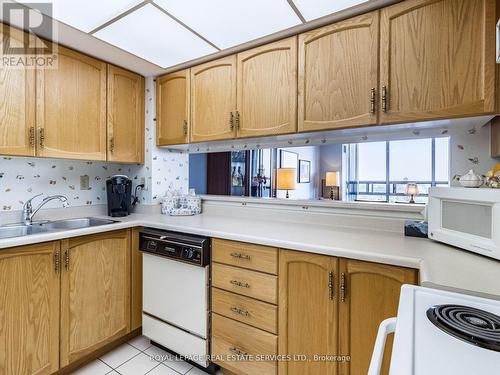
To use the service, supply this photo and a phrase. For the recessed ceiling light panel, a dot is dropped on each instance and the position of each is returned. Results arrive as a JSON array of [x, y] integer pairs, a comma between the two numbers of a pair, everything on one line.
[[227, 23], [152, 35], [86, 15]]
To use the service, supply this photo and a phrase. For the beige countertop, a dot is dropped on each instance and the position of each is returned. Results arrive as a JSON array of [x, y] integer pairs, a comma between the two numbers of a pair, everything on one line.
[[440, 265]]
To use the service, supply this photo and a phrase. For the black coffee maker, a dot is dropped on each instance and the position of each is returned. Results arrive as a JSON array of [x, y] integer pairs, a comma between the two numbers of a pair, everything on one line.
[[119, 190]]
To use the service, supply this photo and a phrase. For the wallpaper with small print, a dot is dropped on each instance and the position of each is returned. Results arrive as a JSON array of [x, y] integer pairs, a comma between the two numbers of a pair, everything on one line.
[[22, 178]]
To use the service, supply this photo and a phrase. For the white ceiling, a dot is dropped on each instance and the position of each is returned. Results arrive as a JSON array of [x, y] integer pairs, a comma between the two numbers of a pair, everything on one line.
[[171, 32]]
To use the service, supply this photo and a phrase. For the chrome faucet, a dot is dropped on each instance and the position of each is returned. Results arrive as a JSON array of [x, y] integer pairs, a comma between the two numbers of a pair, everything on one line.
[[29, 212]]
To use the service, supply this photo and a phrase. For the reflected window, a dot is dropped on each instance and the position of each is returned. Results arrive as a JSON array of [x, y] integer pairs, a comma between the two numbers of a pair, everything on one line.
[[380, 171]]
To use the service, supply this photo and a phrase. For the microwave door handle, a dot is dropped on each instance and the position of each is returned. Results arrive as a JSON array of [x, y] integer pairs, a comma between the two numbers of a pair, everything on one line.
[[387, 327]]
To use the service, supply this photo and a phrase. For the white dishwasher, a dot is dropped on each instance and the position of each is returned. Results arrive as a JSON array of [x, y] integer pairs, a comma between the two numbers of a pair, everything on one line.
[[176, 292]]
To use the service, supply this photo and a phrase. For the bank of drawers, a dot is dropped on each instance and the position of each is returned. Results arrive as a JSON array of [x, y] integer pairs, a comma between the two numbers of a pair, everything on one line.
[[244, 307]]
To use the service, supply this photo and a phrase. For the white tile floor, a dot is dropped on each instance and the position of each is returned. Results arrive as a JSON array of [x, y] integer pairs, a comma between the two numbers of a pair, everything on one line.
[[138, 357]]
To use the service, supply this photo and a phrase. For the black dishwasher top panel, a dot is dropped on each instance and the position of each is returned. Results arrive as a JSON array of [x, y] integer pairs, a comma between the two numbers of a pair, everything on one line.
[[183, 247]]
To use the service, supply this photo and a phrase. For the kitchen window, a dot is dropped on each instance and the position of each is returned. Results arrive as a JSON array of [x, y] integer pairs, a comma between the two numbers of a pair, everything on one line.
[[380, 171]]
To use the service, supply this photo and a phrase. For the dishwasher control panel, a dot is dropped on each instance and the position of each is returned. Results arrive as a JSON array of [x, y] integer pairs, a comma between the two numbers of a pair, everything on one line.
[[178, 246]]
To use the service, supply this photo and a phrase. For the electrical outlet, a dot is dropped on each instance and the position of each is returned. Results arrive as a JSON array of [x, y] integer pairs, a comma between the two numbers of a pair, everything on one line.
[[84, 182], [143, 182]]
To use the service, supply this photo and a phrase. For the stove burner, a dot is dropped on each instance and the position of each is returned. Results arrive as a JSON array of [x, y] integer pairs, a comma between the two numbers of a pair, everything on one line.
[[469, 324]]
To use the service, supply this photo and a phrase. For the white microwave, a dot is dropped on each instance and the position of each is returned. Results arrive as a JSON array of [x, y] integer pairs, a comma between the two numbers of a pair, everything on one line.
[[466, 217]]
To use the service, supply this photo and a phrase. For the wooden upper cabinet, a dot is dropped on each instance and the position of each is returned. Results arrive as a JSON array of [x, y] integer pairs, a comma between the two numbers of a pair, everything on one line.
[[29, 310], [17, 104], [71, 108], [95, 292], [307, 311], [437, 59], [125, 116], [213, 100], [173, 108], [371, 296], [267, 89], [338, 74]]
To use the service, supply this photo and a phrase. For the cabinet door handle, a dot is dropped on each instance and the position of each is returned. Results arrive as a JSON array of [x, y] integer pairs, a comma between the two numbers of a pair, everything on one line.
[[384, 99], [240, 284], [57, 261], [239, 311], [32, 137], [112, 145], [41, 140], [66, 260], [185, 127], [372, 100], [240, 256], [231, 121], [237, 120], [330, 285], [342, 287], [238, 352]]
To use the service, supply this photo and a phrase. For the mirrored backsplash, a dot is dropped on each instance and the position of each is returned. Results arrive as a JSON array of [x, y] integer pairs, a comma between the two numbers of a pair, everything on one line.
[[379, 171]]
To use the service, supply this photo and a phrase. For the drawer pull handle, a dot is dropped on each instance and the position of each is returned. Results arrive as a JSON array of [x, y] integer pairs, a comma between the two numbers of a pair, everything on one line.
[[238, 352], [240, 256], [239, 283], [236, 310]]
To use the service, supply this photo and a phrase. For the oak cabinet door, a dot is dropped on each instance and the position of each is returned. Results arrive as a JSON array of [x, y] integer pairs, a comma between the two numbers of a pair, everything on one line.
[[29, 310], [338, 74], [71, 108], [307, 312], [213, 100], [17, 104], [371, 295], [95, 292], [267, 89], [125, 103], [173, 108], [437, 59]]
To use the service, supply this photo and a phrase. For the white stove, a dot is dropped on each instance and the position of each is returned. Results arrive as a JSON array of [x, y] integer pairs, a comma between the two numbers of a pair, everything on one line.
[[440, 332]]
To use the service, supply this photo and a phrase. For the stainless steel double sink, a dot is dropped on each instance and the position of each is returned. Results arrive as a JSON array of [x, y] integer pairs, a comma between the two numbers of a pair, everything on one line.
[[19, 230]]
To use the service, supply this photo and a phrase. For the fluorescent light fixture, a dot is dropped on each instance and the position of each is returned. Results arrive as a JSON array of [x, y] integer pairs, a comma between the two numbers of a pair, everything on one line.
[[86, 15], [152, 35], [312, 9], [227, 23]]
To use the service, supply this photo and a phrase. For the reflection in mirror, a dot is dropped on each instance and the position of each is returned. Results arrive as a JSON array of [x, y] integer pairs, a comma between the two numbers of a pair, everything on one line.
[[369, 172]]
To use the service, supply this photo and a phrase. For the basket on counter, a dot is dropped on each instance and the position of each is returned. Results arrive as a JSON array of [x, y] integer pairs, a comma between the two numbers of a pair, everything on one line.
[[181, 205]]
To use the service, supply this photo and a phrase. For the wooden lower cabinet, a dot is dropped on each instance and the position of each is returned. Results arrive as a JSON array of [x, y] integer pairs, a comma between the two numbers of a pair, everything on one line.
[[29, 310], [136, 281], [307, 312], [333, 307], [95, 292], [371, 296]]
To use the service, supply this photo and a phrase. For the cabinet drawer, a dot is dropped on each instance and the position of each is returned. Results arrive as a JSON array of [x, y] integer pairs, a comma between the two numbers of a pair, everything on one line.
[[245, 255], [248, 283], [246, 310], [235, 345]]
